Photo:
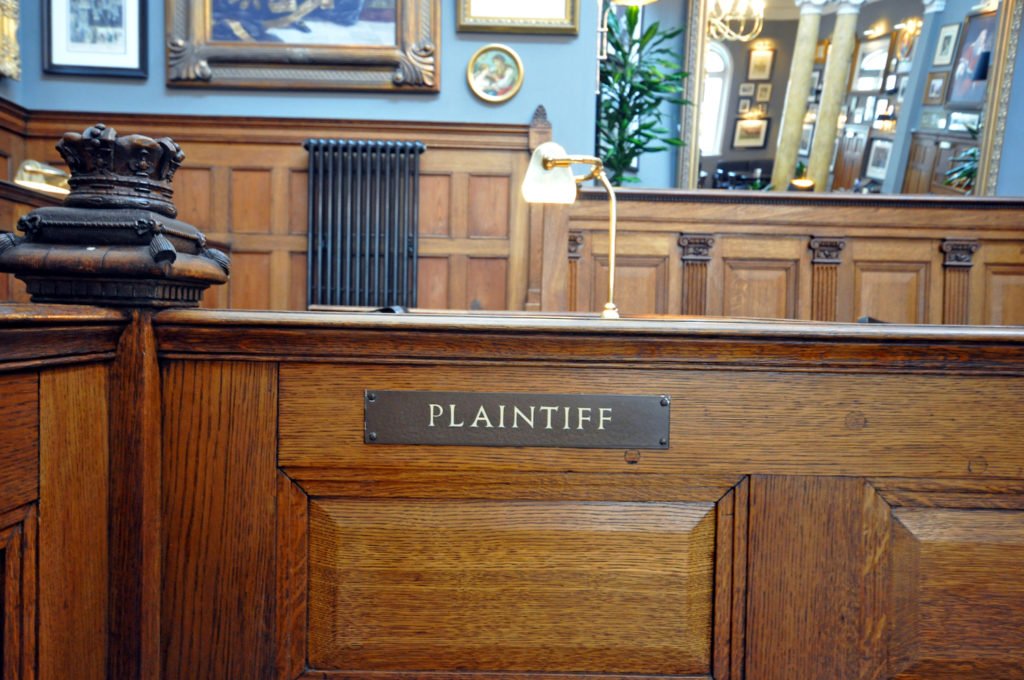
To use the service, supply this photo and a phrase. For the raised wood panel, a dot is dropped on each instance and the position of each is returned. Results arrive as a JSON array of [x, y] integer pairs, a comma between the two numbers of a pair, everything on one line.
[[252, 200], [759, 277], [193, 197], [891, 432], [896, 281], [218, 520], [1004, 294], [435, 205], [499, 586], [486, 286], [964, 612], [648, 280], [19, 445], [850, 158], [18, 594], [432, 287], [298, 205], [488, 208], [250, 281], [73, 509]]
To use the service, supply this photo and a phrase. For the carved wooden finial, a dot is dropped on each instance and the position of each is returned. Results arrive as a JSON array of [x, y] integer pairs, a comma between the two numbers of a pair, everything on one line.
[[540, 117], [115, 240]]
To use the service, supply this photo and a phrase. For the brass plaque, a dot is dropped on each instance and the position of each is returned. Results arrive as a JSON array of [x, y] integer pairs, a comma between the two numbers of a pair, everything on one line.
[[587, 421]]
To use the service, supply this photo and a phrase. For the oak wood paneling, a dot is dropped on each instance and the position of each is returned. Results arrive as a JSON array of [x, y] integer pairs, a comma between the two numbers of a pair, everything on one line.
[[818, 584], [488, 206], [251, 281], [19, 446], [502, 586], [966, 609], [893, 432], [218, 522], [250, 211], [486, 283], [18, 593], [73, 508]]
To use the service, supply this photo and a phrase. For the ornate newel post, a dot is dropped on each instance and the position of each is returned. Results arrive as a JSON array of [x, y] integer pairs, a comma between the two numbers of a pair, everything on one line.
[[115, 241]]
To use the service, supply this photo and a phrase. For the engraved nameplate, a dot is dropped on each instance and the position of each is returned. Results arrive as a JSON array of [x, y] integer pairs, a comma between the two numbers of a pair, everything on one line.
[[589, 421]]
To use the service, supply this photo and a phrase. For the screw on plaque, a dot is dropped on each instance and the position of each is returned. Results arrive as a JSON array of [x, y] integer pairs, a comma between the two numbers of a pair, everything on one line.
[[665, 401], [664, 441], [372, 436], [371, 396]]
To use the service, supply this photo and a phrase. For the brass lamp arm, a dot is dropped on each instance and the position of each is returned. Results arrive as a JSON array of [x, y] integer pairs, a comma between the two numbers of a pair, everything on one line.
[[566, 161]]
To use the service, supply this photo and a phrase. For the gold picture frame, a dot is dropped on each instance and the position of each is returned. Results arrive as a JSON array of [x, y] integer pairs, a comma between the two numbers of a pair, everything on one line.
[[501, 16], [208, 48], [495, 73]]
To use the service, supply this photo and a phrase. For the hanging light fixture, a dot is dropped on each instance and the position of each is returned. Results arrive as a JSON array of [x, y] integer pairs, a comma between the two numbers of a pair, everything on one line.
[[740, 20]]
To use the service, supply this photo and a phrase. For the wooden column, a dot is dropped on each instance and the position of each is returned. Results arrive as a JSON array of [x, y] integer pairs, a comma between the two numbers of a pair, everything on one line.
[[957, 268], [696, 253], [825, 277]]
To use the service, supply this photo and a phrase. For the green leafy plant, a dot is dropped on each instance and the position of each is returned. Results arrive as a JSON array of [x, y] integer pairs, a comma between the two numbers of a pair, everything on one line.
[[641, 73], [962, 176]]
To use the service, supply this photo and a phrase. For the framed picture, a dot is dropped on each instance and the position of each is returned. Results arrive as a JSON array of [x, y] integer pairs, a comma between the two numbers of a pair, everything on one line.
[[968, 81], [539, 16], [881, 107], [760, 109], [764, 92], [746, 89], [901, 88], [750, 133], [806, 137], [870, 63], [744, 107], [858, 115], [495, 73], [933, 119], [878, 159], [890, 82], [869, 107], [760, 64], [935, 87], [95, 37], [960, 121], [381, 45], [821, 51], [946, 45]]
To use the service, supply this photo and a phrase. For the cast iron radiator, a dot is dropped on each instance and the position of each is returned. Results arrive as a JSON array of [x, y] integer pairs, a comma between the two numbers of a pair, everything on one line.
[[363, 222]]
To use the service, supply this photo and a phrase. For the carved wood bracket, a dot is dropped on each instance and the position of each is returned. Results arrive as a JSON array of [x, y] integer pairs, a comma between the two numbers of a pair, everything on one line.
[[696, 247], [959, 253], [827, 250], [575, 245]]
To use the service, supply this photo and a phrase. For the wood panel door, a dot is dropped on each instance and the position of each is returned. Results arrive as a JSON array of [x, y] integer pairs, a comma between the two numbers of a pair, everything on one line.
[[892, 280], [474, 242], [997, 284], [850, 158], [920, 166], [760, 277]]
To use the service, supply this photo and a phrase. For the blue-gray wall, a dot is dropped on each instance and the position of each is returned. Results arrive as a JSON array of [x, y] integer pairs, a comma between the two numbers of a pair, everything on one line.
[[559, 72]]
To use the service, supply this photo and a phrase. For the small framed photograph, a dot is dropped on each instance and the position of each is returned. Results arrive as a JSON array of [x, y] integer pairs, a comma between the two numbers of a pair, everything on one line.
[[881, 106], [968, 82], [890, 82], [821, 51], [946, 45], [858, 115], [95, 37], [764, 92], [760, 65], [760, 109], [750, 133], [552, 16], [878, 159], [806, 137], [935, 87], [495, 73], [869, 107], [961, 121], [746, 89], [901, 88], [933, 119], [744, 107], [815, 85]]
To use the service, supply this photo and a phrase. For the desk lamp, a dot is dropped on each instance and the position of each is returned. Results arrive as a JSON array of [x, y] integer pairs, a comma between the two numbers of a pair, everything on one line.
[[549, 179]]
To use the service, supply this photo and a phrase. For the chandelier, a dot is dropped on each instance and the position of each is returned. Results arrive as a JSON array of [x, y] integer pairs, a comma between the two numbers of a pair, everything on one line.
[[740, 20]]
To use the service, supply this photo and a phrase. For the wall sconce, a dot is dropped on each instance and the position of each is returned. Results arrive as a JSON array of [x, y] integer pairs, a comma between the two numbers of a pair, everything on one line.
[[549, 179], [602, 31]]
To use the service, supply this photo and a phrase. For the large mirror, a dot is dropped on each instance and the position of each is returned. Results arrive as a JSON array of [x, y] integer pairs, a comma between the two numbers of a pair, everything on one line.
[[922, 90]]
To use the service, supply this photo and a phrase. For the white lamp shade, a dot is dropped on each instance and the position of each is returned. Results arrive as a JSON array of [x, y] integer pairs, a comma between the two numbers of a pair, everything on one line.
[[556, 185]]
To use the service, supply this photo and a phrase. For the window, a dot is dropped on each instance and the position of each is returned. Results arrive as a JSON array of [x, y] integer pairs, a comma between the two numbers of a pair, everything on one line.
[[717, 76]]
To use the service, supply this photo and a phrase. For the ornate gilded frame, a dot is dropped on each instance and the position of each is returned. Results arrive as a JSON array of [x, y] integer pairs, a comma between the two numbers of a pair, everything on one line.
[[997, 102], [412, 65], [513, 22], [10, 54]]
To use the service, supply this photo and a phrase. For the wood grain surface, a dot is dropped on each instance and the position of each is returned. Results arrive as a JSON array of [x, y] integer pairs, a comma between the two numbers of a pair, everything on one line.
[[74, 479], [218, 521], [18, 594], [510, 586], [19, 445]]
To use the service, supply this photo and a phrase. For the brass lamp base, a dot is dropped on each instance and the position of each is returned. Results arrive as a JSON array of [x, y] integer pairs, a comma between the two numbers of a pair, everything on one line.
[[610, 311]]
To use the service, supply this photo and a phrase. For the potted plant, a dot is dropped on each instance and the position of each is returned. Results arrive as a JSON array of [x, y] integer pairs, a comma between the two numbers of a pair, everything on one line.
[[641, 73], [962, 175]]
